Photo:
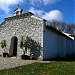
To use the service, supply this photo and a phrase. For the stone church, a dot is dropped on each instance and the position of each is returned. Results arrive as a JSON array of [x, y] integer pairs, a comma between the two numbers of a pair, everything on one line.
[[52, 41]]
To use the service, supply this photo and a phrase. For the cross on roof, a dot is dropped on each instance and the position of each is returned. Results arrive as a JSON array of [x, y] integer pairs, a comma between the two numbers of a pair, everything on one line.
[[18, 5]]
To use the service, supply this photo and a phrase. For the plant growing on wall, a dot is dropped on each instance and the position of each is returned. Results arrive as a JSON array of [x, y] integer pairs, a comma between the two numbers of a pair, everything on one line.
[[3, 45], [22, 44], [25, 44]]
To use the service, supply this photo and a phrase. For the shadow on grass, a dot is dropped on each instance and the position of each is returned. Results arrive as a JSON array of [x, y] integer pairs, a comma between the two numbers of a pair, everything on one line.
[[66, 58]]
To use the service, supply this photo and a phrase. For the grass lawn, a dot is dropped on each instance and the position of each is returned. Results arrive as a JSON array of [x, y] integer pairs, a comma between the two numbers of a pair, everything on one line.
[[53, 68]]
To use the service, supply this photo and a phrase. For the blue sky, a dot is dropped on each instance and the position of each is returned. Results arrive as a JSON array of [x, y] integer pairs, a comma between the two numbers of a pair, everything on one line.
[[59, 10]]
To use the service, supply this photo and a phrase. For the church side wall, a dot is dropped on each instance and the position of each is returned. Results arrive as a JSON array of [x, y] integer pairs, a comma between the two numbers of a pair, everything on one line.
[[56, 45], [25, 26], [50, 44], [61, 46]]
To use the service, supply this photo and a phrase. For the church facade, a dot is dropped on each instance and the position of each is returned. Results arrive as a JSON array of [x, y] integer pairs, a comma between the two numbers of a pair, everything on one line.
[[52, 41], [13, 28]]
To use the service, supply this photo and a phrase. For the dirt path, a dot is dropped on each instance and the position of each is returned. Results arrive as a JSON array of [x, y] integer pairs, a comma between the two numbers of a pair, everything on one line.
[[6, 63]]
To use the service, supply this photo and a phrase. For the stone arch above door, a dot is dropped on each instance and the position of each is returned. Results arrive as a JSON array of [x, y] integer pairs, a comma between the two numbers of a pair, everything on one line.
[[13, 46]]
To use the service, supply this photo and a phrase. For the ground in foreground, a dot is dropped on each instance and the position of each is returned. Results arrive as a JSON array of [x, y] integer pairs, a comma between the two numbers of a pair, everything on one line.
[[53, 68]]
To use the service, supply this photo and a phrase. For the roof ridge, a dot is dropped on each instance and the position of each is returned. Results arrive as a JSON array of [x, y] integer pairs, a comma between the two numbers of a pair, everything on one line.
[[18, 16]]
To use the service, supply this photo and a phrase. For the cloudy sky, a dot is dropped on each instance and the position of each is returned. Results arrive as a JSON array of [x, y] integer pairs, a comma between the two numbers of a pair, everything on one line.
[[59, 10]]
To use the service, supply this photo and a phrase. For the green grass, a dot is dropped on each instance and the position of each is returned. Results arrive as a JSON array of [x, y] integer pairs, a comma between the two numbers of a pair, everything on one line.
[[53, 68]]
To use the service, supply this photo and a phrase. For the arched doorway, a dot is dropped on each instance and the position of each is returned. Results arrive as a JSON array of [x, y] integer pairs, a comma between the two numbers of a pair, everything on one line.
[[13, 46]]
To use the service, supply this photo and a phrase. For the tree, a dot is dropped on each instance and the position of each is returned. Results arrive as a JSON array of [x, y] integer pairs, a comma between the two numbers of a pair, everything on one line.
[[70, 29], [58, 25], [63, 27]]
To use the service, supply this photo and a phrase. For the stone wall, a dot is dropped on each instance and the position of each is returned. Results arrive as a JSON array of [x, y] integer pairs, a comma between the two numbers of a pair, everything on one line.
[[23, 26]]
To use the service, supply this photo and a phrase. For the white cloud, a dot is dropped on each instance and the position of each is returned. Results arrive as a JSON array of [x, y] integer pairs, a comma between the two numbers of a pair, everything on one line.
[[50, 1], [35, 2], [53, 15], [36, 12], [44, 2], [5, 4]]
